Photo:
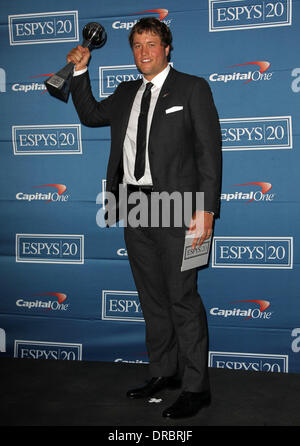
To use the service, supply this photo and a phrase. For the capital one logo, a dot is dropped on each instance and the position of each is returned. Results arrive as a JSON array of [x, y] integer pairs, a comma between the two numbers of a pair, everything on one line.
[[255, 75], [230, 15], [50, 27], [53, 302], [132, 361], [122, 252], [47, 197], [161, 14], [248, 313], [254, 195], [31, 86]]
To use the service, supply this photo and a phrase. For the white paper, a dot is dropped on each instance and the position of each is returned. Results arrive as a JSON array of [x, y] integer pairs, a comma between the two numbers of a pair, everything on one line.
[[193, 258]]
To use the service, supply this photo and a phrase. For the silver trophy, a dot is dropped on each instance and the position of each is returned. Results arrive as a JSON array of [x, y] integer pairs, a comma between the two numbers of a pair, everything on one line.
[[58, 85]]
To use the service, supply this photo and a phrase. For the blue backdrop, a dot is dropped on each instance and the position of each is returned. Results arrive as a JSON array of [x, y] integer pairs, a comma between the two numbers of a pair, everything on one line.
[[66, 287]]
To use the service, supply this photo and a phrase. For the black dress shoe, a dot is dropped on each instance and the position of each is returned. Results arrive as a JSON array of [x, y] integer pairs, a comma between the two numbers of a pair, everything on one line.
[[187, 404], [154, 386]]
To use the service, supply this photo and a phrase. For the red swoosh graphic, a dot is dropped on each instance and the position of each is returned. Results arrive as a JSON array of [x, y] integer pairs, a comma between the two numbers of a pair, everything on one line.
[[162, 13], [263, 66], [61, 297], [41, 75], [61, 188], [265, 187], [263, 304]]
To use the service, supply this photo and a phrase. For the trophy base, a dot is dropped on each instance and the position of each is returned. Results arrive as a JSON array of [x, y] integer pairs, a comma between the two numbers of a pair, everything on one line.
[[58, 85]]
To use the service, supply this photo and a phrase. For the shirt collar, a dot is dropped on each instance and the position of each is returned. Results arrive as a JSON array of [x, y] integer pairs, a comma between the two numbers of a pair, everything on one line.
[[160, 78]]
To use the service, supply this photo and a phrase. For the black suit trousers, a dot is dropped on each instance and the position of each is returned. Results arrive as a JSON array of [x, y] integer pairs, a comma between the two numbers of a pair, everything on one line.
[[176, 324]]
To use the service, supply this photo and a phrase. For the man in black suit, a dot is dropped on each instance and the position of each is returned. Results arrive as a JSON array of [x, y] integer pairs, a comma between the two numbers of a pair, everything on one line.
[[179, 150]]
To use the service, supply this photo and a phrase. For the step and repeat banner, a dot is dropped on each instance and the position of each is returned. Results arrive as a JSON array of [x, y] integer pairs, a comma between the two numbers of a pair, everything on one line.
[[67, 292]]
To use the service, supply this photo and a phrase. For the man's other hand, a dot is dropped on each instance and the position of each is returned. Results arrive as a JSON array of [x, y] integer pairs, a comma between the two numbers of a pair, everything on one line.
[[201, 225]]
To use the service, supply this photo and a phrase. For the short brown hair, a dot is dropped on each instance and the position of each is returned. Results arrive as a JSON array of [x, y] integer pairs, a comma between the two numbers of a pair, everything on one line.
[[155, 26]]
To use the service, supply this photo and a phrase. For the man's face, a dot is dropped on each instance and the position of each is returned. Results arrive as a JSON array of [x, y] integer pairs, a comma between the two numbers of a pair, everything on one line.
[[150, 56]]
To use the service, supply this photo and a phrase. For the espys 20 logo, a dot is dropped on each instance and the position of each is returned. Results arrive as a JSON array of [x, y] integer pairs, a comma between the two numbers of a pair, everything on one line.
[[252, 252], [50, 248], [121, 306], [111, 76], [50, 27], [259, 133], [230, 15], [57, 139], [66, 351], [256, 362]]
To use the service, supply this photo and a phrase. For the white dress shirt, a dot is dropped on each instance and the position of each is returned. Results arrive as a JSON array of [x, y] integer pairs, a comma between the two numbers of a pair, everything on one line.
[[129, 148]]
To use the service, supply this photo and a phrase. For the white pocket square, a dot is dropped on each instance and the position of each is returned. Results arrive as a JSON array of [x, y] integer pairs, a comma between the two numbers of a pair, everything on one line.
[[174, 109]]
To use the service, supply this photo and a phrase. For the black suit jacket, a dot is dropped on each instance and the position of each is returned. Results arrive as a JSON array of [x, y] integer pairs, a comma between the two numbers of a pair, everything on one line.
[[184, 146]]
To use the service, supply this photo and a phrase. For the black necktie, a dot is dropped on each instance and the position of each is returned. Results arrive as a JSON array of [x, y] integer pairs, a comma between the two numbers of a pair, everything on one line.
[[141, 138]]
